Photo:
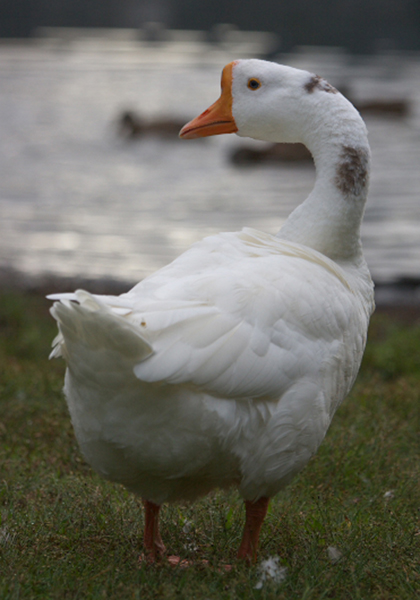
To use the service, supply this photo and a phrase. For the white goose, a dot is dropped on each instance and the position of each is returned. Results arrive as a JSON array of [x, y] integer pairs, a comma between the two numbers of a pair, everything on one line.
[[226, 366]]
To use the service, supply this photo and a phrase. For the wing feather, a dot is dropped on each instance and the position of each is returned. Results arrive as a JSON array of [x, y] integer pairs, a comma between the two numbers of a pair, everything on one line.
[[242, 314]]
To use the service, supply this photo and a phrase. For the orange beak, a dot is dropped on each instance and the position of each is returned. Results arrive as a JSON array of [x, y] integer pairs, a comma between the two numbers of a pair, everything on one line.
[[218, 118]]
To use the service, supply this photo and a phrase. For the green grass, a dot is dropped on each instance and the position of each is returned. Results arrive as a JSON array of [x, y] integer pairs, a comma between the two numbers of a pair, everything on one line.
[[65, 533]]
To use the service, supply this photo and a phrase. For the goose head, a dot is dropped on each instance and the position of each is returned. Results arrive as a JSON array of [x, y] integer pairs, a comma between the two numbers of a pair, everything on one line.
[[271, 102], [277, 103]]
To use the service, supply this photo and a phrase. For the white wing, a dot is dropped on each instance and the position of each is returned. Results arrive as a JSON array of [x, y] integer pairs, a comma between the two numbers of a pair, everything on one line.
[[241, 315]]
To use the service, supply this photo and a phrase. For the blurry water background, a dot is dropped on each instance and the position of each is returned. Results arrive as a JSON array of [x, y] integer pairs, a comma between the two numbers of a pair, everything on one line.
[[78, 200]]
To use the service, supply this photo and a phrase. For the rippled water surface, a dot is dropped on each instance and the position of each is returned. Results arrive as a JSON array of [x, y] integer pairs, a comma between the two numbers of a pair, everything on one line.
[[77, 199]]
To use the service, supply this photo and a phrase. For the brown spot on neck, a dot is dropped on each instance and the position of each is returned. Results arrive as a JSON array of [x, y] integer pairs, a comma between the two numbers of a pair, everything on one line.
[[352, 173], [318, 83]]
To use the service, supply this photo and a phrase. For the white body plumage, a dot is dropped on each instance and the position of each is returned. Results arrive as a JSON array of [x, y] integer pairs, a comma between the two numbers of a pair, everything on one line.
[[226, 367]]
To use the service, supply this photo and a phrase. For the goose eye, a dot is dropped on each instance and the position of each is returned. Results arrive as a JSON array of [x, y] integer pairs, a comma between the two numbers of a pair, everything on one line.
[[254, 83]]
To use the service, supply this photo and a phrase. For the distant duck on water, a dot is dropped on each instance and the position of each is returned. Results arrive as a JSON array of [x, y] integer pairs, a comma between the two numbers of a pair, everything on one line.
[[132, 126], [271, 154]]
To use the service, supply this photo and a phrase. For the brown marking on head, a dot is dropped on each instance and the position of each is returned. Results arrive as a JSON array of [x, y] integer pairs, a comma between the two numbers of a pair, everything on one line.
[[319, 83], [352, 175]]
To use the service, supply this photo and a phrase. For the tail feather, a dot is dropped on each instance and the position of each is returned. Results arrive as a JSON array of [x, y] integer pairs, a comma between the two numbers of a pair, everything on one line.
[[90, 323]]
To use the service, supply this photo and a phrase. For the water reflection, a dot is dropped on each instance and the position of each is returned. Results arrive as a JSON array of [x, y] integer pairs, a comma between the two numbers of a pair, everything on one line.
[[76, 199]]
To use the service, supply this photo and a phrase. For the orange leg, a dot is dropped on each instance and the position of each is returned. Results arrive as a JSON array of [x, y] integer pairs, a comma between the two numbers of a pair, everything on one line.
[[152, 541], [255, 514]]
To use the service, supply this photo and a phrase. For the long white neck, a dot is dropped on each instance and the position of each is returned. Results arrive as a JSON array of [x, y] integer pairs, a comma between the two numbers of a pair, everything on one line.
[[329, 220]]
